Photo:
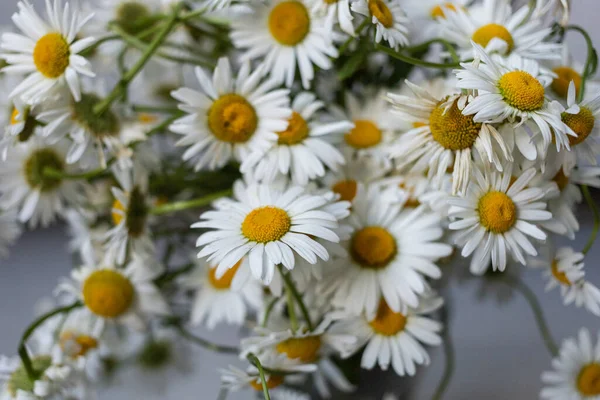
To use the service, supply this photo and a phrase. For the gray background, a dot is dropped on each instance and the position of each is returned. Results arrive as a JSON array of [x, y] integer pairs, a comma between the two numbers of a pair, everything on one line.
[[499, 354]]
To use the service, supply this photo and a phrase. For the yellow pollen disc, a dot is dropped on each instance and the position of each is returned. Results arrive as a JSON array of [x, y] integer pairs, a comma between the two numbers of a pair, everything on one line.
[[305, 349], [365, 134], [497, 212], [588, 381], [272, 382], [231, 118], [380, 10], [560, 84], [486, 33], [387, 322], [373, 247], [85, 342], [346, 189], [116, 217], [51, 55], [296, 131], [146, 118], [225, 281], [521, 90], [561, 180], [453, 130], [266, 224], [108, 293], [412, 200], [559, 275], [582, 124], [438, 11], [289, 22], [14, 117]]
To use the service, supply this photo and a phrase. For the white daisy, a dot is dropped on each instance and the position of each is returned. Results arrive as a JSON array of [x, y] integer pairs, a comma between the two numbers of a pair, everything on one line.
[[392, 251], [494, 26], [39, 197], [395, 338], [48, 51], [304, 149], [270, 226], [126, 296], [424, 15], [576, 370], [287, 35], [231, 117], [335, 12], [512, 89], [391, 23], [10, 230], [444, 138], [222, 299], [494, 217], [16, 118]]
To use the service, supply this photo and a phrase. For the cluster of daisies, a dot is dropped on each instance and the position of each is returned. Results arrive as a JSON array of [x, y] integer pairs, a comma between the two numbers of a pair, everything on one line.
[[340, 155]]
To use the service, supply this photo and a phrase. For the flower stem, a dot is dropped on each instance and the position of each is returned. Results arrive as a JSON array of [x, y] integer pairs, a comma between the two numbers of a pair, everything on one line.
[[268, 311], [591, 62], [344, 46], [50, 172], [25, 359], [118, 90], [425, 46], [589, 199], [291, 309], [203, 342], [292, 288], [415, 61], [184, 205], [537, 312], [449, 354], [261, 372], [152, 109]]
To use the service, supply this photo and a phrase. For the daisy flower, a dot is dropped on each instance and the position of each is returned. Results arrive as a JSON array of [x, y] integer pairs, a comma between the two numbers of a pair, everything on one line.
[[224, 299], [334, 12], [496, 28], [270, 226], [424, 15], [231, 117], [357, 171], [17, 120], [10, 230], [444, 138], [567, 70], [495, 216], [391, 23], [38, 197], [576, 370], [512, 89], [395, 338], [287, 35], [303, 149], [47, 51], [124, 296], [392, 252]]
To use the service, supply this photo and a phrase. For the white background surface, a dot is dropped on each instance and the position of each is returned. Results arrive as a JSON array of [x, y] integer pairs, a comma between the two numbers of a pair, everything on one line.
[[499, 354]]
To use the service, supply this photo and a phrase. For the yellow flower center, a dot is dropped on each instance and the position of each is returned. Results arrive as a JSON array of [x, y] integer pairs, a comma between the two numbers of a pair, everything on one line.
[[486, 33], [231, 118], [387, 322], [272, 382], [438, 10], [305, 349], [373, 247], [108, 293], [85, 343], [37, 163], [116, 217], [14, 116], [560, 84], [561, 180], [51, 55], [346, 189], [588, 381], [364, 134], [412, 201], [266, 224], [559, 275], [289, 22], [582, 124], [453, 130], [381, 11], [146, 118], [497, 212], [521, 90], [223, 282], [296, 131]]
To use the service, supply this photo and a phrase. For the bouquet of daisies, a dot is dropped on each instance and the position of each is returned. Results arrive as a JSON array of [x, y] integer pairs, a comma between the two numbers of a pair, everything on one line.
[[307, 172]]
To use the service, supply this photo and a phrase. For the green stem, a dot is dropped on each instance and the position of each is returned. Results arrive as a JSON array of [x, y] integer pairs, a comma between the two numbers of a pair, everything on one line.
[[537, 312], [261, 372], [205, 343], [50, 172], [449, 354], [118, 90], [591, 61], [164, 125], [290, 287], [153, 109], [88, 50], [589, 199], [25, 359], [169, 276], [184, 205], [291, 309], [415, 61], [192, 14], [425, 45], [268, 311], [351, 38]]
